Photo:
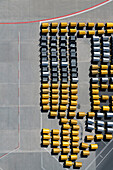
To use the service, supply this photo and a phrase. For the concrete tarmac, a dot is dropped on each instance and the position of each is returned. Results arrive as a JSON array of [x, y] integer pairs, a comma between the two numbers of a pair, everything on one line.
[[30, 155], [33, 10]]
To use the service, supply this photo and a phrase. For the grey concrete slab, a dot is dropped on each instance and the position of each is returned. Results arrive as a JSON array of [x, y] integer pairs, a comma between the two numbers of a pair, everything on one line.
[[30, 140], [22, 161], [28, 72], [8, 140], [9, 51], [9, 72], [8, 33], [9, 94], [96, 15], [87, 161], [83, 68], [84, 108], [84, 50], [33, 10], [83, 94], [30, 118], [26, 53], [101, 145], [106, 163], [52, 164], [28, 157], [50, 123], [8, 118], [29, 94], [29, 33]]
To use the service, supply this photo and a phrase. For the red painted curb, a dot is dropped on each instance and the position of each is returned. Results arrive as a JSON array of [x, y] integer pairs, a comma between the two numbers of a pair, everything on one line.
[[27, 22]]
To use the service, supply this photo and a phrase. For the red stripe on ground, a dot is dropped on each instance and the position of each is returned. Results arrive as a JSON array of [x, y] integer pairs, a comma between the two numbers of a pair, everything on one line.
[[4, 155], [27, 22]]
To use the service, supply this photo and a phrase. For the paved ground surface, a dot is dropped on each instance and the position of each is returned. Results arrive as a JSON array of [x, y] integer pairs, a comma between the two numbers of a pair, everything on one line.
[[11, 10], [19, 50]]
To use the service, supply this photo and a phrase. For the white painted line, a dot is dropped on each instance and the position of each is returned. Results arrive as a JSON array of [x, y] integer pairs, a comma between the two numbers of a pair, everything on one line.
[[19, 85], [8, 153], [104, 158], [42, 161], [99, 154], [81, 12]]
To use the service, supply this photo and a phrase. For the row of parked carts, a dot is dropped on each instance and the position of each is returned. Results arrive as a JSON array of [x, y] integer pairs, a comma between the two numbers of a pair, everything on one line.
[[59, 92], [73, 27], [103, 70], [101, 49], [101, 85], [102, 93], [66, 142], [59, 78], [59, 72], [100, 125], [58, 55]]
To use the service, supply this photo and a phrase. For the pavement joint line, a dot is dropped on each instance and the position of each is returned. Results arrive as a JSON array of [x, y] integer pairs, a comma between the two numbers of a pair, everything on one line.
[[25, 151], [6, 83], [6, 154], [42, 161], [104, 157], [99, 154], [19, 89], [20, 106]]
